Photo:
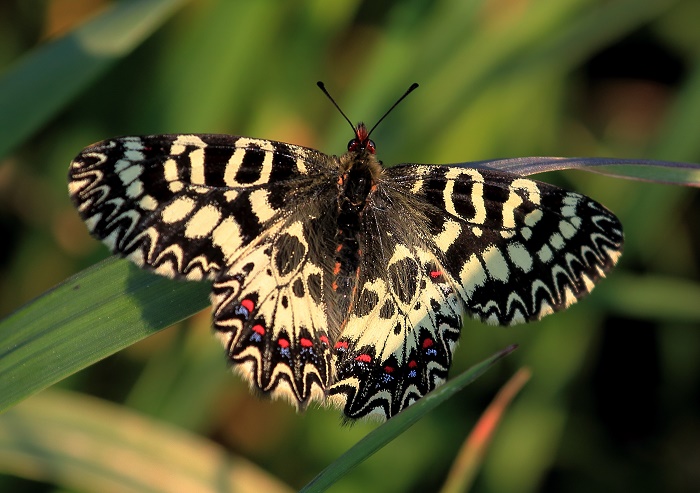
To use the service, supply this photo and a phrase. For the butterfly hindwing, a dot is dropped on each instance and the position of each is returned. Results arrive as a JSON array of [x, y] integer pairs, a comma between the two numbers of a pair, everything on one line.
[[398, 342], [399, 337], [270, 314]]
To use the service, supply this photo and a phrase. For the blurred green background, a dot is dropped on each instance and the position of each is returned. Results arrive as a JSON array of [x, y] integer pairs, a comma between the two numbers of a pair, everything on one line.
[[614, 399]]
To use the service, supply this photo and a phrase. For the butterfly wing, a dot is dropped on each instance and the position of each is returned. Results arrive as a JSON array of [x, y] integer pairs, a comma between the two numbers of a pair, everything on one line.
[[398, 340], [184, 205], [516, 249], [237, 211], [270, 311], [493, 245], [259, 218]]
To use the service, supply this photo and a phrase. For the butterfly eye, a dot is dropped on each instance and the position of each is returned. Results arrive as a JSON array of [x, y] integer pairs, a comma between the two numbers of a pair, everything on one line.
[[354, 145], [371, 148]]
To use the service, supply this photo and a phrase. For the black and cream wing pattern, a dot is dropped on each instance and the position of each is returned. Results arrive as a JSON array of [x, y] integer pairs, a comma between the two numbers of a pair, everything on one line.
[[336, 279]]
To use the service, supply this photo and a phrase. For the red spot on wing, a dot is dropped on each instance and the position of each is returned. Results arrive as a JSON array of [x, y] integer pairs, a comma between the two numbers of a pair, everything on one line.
[[305, 342], [341, 345], [389, 369], [434, 274], [324, 339], [412, 363], [248, 304], [283, 343], [258, 329], [364, 358], [428, 342]]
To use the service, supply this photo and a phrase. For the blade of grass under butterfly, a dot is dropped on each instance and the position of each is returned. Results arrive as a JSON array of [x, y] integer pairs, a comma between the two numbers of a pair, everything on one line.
[[93, 314], [392, 428], [669, 172]]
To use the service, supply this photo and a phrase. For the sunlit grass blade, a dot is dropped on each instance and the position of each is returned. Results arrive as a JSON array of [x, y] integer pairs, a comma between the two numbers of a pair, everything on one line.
[[84, 319], [39, 85], [654, 172], [469, 459], [398, 424], [84, 444], [669, 172]]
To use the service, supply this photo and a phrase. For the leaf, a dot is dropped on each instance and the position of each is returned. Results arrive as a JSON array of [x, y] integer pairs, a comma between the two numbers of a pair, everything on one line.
[[668, 172], [91, 315], [392, 428], [85, 444]]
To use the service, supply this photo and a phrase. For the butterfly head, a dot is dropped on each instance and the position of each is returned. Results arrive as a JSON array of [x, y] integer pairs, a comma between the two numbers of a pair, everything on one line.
[[362, 142]]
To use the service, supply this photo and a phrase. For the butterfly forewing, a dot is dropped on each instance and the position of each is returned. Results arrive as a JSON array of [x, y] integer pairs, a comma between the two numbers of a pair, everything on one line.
[[335, 279], [516, 249], [184, 205]]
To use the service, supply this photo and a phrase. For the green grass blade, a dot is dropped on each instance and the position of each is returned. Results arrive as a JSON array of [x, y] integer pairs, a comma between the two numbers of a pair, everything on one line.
[[86, 318], [398, 424], [84, 444], [667, 172], [669, 175], [45, 81]]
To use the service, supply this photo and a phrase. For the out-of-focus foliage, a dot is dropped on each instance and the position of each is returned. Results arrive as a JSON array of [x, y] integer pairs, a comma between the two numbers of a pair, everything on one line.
[[614, 399]]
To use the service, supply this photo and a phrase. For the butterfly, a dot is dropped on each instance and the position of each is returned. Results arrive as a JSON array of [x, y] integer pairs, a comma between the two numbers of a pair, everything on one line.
[[335, 278]]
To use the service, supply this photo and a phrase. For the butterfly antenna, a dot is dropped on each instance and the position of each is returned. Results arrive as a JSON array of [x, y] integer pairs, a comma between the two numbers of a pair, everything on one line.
[[322, 86], [413, 87]]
